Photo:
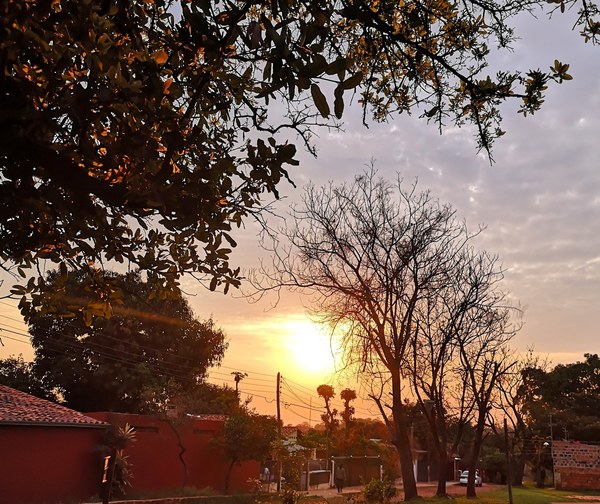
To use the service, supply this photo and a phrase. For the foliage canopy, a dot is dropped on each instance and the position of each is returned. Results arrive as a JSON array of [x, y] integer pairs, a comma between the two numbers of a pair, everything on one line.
[[247, 436], [142, 132], [139, 360], [16, 373], [567, 396]]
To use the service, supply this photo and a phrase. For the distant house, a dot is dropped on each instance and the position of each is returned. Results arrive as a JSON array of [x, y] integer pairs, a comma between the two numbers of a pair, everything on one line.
[[576, 465], [47, 451], [290, 433]]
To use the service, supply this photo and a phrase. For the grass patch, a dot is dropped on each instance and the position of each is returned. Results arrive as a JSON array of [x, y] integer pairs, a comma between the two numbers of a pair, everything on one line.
[[532, 495], [521, 495]]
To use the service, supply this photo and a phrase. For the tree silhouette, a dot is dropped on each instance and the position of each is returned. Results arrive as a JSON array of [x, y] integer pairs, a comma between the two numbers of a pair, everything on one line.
[[373, 256], [137, 361], [327, 392], [348, 395]]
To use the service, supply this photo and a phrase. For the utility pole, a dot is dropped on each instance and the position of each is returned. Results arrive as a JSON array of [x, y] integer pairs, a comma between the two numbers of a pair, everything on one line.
[[279, 430], [508, 465]]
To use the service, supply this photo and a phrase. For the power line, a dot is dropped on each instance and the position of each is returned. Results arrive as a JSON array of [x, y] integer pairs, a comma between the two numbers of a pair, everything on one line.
[[253, 372], [15, 339], [300, 399], [109, 355], [103, 356], [308, 419], [248, 378], [152, 348], [301, 386], [130, 360], [318, 399], [13, 319], [186, 361]]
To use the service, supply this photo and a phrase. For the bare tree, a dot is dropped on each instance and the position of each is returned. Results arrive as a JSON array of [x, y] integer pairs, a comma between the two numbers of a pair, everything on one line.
[[453, 317], [485, 359], [372, 255]]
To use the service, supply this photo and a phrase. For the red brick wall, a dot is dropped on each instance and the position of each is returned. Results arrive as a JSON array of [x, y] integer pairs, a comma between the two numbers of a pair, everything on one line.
[[155, 454], [48, 464], [576, 465]]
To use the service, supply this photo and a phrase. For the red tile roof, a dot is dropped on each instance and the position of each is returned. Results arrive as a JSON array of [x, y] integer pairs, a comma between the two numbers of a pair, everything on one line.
[[17, 407], [289, 431]]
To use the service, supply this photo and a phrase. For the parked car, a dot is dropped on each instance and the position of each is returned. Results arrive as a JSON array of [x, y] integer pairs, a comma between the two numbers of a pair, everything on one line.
[[464, 477]]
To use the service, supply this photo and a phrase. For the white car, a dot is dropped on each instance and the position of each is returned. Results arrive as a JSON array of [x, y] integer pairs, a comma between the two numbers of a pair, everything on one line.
[[464, 477]]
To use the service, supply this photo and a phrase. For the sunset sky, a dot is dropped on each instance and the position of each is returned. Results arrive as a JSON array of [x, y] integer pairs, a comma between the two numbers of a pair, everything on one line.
[[540, 201]]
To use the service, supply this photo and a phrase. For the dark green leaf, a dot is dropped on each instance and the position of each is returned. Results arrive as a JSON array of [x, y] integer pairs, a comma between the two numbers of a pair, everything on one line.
[[320, 100], [338, 105], [352, 82]]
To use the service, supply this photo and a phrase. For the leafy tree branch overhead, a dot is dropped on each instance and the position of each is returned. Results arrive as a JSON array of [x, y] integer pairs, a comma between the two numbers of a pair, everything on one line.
[[142, 132]]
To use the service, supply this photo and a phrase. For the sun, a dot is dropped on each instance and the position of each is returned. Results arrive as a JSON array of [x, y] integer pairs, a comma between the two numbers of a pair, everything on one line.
[[309, 348]]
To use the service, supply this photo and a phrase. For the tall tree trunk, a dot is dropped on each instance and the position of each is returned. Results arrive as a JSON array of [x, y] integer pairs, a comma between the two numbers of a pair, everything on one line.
[[518, 470], [442, 476], [438, 431], [477, 443], [402, 444], [402, 440]]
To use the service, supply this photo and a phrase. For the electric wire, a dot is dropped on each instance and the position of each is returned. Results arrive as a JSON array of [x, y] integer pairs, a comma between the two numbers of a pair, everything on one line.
[[306, 404], [103, 358], [15, 339], [168, 372], [155, 349], [95, 346], [308, 419], [102, 355], [161, 352], [13, 318], [130, 360], [246, 390], [317, 399]]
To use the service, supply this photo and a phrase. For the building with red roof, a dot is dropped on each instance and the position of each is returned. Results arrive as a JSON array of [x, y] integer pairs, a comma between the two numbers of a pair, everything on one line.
[[50, 454], [48, 451], [19, 408]]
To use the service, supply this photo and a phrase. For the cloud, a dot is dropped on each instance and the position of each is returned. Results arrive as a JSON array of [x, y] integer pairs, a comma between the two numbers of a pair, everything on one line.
[[540, 200]]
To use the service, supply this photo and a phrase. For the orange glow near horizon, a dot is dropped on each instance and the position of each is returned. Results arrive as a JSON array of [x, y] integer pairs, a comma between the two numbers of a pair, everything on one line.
[[289, 343]]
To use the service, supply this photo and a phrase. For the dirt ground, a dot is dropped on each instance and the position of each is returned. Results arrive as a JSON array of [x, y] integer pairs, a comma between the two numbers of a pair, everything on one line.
[[455, 489], [424, 489]]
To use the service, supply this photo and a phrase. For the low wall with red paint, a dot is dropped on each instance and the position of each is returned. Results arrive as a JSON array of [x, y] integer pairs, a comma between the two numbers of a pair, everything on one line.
[[576, 465], [171, 454], [47, 464]]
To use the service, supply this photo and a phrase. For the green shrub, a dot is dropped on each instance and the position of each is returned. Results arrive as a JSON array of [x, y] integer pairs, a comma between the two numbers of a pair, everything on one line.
[[379, 491]]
